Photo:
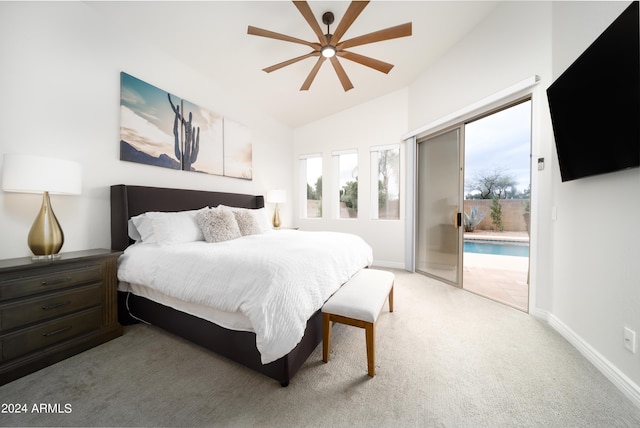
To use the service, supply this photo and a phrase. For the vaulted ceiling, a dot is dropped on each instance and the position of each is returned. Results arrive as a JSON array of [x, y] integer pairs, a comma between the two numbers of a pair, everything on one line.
[[211, 37]]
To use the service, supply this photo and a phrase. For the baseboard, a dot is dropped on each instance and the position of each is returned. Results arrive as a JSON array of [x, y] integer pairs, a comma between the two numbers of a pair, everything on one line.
[[610, 371], [387, 264]]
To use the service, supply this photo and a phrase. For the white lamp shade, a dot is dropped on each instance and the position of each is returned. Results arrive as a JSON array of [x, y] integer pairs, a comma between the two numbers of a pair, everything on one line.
[[277, 196], [37, 174]]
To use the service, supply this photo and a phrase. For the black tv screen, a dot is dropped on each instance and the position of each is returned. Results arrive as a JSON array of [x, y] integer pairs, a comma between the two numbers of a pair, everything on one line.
[[595, 103]]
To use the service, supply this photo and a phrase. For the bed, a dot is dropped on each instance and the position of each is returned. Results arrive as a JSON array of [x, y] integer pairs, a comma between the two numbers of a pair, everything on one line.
[[232, 329]]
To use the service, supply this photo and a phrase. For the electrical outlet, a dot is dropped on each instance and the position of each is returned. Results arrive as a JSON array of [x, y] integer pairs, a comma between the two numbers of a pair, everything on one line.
[[630, 339]]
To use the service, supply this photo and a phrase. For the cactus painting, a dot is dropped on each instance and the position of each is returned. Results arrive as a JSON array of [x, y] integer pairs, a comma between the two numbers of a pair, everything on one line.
[[186, 151], [197, 136], [201, 138], [161, 129]]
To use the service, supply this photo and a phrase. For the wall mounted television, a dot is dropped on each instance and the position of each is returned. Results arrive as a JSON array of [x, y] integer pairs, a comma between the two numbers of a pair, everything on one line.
[[595, 103]]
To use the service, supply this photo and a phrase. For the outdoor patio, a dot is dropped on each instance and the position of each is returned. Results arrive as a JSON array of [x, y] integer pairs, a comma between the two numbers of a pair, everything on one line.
[[498, 277]]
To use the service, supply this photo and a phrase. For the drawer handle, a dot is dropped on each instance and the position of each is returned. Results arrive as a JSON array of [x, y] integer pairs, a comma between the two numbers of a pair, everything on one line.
[[61, 330], [57, 281], [49, 307]]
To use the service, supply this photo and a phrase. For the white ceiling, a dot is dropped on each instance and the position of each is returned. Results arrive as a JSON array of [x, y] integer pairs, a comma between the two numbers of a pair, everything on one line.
[[211, 37]]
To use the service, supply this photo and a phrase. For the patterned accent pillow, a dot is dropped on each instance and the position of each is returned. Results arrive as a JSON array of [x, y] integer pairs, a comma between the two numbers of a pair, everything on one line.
[[247, 222], [261, 215], [218, 225]]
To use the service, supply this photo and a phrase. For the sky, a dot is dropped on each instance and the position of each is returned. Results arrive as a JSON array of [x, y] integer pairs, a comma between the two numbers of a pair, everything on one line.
[[502, 140]]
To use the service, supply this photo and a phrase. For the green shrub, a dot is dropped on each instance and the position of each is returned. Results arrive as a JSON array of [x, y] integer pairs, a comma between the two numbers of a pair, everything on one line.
[[496, 214]]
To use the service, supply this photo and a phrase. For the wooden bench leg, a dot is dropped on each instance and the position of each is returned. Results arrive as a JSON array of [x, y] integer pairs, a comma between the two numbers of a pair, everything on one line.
[[391, 299], [326, 336], [371, 357]]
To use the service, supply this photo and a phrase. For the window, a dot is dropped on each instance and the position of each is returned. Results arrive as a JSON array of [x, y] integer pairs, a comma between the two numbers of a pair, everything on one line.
[[385, 171], [346, 163], [311, 169]]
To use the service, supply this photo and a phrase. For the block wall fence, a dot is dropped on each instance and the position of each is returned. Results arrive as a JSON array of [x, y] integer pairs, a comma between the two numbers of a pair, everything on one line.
[[512, 213]]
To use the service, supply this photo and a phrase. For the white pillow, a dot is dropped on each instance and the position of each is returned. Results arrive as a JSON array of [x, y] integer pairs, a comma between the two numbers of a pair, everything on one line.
[[133, 231], [218, 225], [263, 218], [168, 227]]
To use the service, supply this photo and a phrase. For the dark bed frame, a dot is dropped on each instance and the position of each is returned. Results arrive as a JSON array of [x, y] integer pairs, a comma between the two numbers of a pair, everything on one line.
[[240, 346]]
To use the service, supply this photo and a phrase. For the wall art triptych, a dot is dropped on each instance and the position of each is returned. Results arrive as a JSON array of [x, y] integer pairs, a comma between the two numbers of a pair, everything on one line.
[[161, 129]]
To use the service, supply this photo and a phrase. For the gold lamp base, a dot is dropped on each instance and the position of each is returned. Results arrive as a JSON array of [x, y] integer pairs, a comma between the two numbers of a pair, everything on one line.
[[275, 221], [46, 236]]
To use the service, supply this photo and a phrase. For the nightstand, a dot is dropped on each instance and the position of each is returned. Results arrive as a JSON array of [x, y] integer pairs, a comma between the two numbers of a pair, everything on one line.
[[51, 310]]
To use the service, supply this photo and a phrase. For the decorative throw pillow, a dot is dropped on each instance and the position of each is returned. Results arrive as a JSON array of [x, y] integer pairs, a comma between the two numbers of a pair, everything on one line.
[[218, 225], [261, 215], [247, 222]]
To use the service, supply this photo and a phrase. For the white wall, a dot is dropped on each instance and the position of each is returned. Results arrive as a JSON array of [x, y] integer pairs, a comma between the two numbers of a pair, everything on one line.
[[596, 280], [60, 91], [376, 123]]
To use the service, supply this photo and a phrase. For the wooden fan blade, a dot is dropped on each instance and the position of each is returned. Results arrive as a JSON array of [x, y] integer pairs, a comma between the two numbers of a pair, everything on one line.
[[254, 31], [290, 61], [401, 30], [342, 75], [312, 74], [354, 10], [306, 12], [382, 66]]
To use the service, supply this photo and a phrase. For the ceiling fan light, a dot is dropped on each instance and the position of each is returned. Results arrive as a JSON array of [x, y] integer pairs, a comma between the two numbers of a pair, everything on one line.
[[328, 51]]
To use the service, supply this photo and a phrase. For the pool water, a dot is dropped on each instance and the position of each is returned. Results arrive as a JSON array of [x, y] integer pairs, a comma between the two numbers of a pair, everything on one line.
[[498, 248]]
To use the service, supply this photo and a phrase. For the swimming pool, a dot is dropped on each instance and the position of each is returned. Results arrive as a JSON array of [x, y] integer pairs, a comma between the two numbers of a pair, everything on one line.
[[501, 248]]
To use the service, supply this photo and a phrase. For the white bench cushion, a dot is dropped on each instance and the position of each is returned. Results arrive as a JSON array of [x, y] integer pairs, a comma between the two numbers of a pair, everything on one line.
[[362, 297]]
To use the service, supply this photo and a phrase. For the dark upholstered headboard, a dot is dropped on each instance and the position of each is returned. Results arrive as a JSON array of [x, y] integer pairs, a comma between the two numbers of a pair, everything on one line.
[[128, 201]]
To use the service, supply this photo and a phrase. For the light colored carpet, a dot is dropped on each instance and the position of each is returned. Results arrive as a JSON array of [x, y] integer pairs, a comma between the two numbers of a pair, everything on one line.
[[445, 358]]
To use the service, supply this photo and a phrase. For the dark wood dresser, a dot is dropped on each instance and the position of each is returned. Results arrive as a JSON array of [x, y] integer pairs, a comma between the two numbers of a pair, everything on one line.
[[51, 310]]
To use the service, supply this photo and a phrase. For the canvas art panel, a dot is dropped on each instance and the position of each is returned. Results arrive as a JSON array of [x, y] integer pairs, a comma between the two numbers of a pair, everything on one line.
[[146, 122], [238, 150], [209, 157]]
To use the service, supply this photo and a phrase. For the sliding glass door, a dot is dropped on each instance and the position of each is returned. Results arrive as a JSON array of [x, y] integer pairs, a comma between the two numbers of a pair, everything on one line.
[[439, 234]]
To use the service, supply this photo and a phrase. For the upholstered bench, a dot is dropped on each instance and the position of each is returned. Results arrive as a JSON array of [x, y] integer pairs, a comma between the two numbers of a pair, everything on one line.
[[358, 303]]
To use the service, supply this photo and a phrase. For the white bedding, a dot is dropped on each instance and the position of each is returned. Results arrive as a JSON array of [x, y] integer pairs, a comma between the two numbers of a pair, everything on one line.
[[277, 279]]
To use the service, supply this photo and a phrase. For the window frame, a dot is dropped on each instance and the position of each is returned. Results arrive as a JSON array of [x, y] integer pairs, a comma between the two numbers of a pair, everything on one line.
[[303, 180], [335, 190], [374, 197]]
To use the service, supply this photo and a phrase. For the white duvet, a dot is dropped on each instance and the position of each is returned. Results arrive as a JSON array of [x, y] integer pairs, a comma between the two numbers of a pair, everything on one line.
[[277, 279]]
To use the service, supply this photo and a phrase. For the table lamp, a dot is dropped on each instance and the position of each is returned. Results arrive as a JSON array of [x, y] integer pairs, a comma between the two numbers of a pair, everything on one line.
[[276, 196], [37, 174]]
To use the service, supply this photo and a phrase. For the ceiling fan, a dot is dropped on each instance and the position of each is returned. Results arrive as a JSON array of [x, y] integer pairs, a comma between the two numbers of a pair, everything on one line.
[[331, 46]]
